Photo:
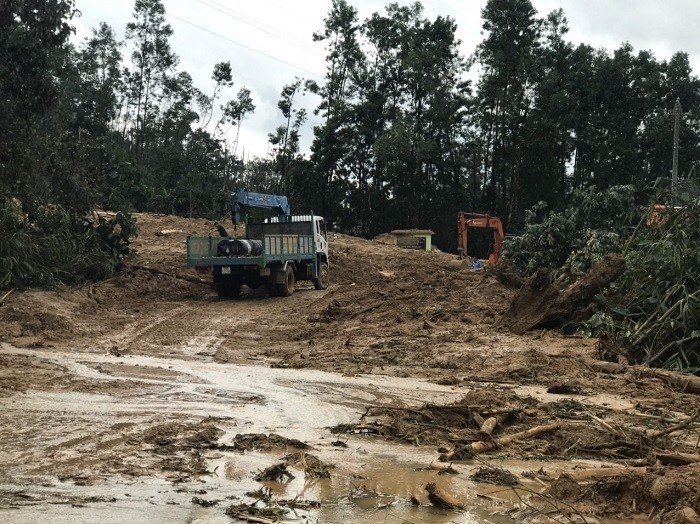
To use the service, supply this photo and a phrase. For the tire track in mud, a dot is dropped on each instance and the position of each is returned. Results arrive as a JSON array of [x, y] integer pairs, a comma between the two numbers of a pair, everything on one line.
[[135, 331]]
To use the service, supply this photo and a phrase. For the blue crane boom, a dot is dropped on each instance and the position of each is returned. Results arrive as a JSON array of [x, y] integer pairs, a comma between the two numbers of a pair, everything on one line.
[[243, 199]]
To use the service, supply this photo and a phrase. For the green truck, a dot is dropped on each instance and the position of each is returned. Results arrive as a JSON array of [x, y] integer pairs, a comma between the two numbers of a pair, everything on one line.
[[275, 253]]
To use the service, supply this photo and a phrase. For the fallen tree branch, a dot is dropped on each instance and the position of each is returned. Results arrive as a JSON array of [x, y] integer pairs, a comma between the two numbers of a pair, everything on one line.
[[683, 381], [607, 426], [487, 428], [6, 295], [595, 474], [251, 518], [676, 459], [687, 422], [480, 447], [442, 499]]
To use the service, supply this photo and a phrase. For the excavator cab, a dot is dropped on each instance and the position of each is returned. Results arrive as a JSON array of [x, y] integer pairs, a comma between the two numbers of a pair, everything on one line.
[[494, 238]]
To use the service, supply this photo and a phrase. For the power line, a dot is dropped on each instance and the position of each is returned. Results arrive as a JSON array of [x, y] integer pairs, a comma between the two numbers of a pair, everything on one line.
[[245, 46], [275, 32]]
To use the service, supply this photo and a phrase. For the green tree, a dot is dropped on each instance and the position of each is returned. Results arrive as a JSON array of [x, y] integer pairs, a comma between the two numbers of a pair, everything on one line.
[[152, 59], [508, 56], [285, 139], [99, 62], [32, 36]]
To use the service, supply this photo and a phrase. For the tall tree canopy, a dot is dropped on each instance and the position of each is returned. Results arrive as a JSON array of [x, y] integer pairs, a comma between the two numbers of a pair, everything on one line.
[[402, 138]]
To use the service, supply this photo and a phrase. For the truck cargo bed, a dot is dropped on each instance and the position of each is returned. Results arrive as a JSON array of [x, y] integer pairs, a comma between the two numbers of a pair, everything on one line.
[[201, 251]]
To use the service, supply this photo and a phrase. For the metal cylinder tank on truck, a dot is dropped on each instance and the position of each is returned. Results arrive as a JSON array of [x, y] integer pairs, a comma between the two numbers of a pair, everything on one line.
[[239, 247]]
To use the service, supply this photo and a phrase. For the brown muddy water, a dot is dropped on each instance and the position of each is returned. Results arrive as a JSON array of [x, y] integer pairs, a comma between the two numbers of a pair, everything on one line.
[[70, 452]]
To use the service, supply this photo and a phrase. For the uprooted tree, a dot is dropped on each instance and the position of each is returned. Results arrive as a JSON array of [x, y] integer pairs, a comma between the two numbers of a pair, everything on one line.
[[651, 314], [546, 302]]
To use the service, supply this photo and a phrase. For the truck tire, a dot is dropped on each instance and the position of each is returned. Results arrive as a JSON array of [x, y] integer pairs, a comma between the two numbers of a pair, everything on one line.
[[271, 287], [228, 288], [323, 277], [287, 288]]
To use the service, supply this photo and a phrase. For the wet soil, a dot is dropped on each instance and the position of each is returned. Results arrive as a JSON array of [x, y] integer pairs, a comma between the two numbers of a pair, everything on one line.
[[146, 398]]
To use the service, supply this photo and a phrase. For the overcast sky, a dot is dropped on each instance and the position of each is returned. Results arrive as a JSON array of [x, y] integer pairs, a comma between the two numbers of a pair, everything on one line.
[[268, 42]]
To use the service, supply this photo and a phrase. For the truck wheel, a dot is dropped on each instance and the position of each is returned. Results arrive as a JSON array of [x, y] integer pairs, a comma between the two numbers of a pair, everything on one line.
[[271, 286], [286, 289], [221, 289], [323, 277], [235, 289], [228, 288]]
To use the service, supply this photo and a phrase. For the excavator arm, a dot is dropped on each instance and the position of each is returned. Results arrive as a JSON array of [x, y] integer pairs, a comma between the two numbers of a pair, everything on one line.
[[467, 220], [243, 200]]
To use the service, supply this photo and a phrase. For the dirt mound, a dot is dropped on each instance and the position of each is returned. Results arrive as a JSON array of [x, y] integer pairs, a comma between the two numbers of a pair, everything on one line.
[[41, 316], [392, 286], [623, 493], [176, 435], [260, 441]]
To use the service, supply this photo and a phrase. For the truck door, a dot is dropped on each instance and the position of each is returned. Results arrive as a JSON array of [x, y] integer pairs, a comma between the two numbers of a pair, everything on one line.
[[321, 238]]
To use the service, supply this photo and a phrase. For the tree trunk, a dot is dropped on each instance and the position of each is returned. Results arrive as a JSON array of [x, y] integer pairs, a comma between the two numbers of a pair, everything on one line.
[[542, 303]]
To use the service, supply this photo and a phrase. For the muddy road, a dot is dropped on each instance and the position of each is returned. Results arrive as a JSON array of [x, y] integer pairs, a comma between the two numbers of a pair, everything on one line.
[[145, 398]]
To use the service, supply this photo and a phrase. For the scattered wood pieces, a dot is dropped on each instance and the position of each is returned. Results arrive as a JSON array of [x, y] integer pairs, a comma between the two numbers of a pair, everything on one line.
[[249, 513], [297, 503], [313, 467], [2, 299], [480, 447], [668, 458], [687, 422], [682, 381], [487, 428], [276, 472], [250, 441], [607, 426], [443, 469]]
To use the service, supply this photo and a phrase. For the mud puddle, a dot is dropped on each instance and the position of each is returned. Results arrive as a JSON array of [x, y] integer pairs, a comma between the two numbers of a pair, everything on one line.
[[115, 453]]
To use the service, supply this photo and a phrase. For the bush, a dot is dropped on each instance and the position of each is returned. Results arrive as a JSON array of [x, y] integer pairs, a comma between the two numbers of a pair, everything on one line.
[[654, 315], [59, 248], [576, 236]]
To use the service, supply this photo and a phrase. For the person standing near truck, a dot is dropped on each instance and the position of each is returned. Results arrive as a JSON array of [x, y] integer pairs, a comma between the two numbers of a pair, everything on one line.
[[221, 229]]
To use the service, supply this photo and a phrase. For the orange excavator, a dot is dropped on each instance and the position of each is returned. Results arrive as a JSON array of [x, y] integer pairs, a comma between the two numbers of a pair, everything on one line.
[[494, 243]]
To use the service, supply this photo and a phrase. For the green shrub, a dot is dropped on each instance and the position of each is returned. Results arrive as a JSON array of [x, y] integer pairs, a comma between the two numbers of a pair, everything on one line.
[[655, 317], [575, 236], [652, 314], [59, 248]]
